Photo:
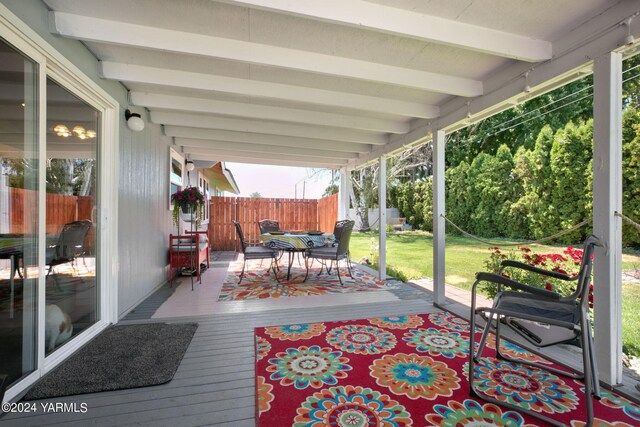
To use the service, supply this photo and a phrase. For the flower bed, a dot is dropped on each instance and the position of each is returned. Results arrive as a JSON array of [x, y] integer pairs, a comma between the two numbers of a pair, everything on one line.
[[567, 262]]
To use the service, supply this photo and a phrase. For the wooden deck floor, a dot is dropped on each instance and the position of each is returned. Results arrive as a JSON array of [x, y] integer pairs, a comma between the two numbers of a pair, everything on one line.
[[214, 384]]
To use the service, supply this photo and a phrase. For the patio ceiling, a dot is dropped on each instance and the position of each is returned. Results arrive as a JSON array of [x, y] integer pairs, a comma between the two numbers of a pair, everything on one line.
[[334, 83]]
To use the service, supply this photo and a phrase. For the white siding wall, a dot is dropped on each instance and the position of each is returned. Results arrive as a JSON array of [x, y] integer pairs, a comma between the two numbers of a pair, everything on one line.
[[392, 217], [143, 214]]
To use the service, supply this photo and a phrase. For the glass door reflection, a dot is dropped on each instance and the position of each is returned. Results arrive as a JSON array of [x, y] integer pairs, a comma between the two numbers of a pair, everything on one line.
[[71, 171], [18, 214]]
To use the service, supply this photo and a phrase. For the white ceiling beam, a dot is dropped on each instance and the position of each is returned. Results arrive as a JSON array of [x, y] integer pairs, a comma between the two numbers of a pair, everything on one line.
[[258, 156], [122, 33], [507, 86], [258, 126], [194, 144], [265, 112], [265, 139], [262, 158], [273, 162], [260, 89], [405, 23]]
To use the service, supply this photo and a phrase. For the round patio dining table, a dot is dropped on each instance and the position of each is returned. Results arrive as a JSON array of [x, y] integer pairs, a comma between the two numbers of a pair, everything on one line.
[[295, 242]]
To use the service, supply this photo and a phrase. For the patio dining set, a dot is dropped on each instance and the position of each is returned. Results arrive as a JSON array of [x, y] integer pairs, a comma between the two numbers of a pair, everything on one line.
[[275, 243]]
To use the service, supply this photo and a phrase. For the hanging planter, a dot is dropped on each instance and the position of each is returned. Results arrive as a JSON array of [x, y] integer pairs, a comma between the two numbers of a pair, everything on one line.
[[188, 205]]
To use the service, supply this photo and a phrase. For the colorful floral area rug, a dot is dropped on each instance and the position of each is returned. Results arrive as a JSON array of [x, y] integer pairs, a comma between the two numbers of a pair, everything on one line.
[[257, 283], [408, 371]]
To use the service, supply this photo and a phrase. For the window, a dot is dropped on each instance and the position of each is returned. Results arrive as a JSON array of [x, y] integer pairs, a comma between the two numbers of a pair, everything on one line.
[[176, 172]]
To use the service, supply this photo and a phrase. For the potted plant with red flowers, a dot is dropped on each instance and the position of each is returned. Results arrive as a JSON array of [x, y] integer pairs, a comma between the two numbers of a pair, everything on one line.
[[189, 202]]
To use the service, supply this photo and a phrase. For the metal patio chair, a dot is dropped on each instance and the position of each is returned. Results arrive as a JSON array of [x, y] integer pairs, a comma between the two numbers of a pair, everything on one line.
[[337, 232], [333, 253], [256, 252], [543, 318], [268, 225]]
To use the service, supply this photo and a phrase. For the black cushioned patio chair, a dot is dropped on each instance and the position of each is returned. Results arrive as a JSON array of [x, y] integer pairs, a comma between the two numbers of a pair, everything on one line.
[[333, 253], [268, 225], [337, 230], [542, 318], [255, 252]]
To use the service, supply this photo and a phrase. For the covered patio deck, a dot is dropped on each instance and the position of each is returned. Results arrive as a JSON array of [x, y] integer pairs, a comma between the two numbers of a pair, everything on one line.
[[215, 383], [339, 86]]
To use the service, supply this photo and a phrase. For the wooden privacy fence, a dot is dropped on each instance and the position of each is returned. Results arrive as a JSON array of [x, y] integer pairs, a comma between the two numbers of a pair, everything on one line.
[[60, 209], [305, 214], [327, 212]]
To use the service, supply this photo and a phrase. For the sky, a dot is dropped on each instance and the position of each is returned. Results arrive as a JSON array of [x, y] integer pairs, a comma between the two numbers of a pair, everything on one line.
[[279, 181]]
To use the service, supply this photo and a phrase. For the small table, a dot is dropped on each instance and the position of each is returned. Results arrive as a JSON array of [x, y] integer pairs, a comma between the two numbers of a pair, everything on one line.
[[295, 242]]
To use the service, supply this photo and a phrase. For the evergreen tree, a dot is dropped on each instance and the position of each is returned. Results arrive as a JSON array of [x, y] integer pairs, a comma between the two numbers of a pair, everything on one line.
[[631, 176], [518, 225], [492, 192], [571, 177], [457, 202]]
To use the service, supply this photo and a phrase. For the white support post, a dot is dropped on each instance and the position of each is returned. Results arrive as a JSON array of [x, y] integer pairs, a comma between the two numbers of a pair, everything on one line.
[[343, 195], [607, 199], [382, 218], [438, 141]]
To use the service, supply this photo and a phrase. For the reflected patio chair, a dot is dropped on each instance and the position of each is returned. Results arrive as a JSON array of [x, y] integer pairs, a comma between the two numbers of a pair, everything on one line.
[[333, 253], [268, 225], [70, 244], [255, 252], [542, 318]]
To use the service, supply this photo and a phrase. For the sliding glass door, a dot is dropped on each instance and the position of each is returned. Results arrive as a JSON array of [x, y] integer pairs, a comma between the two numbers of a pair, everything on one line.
[[18, 214], [58, 198], [71, 250], [49, 252]]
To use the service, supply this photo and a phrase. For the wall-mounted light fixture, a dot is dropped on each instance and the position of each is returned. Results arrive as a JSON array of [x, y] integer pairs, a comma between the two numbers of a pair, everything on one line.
[[134, 121]]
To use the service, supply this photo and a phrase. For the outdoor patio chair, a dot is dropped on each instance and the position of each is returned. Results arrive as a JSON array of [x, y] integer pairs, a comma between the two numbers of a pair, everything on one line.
[[268, 225], [70, 244], [543, 318], [337, 230], [333, 253], [255, 252]]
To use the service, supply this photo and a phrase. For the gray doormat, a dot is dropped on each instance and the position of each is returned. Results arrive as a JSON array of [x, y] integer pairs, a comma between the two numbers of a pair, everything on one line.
[[121, 357]]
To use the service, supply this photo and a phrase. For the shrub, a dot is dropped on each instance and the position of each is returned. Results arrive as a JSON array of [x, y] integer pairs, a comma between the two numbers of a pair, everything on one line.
[[398, 273], [567, 262], [374, 255]]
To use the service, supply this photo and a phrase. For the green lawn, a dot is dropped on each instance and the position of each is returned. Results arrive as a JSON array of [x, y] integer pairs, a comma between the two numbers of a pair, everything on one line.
[[411, 253]]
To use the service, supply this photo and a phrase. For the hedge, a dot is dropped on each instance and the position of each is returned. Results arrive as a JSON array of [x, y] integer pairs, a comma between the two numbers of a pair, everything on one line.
[[532, 193]]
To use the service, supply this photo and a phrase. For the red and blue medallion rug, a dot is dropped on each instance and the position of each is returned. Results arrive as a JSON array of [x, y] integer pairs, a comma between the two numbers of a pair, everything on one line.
[[257, 283], [408, 371]]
